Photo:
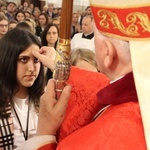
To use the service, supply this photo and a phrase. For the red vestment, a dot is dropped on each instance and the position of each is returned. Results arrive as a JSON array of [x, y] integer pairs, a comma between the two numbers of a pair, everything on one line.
[[83, 103], [119, 127]]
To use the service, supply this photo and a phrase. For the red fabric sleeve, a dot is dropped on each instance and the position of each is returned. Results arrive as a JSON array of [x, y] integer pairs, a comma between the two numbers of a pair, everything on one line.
[[83, 103]]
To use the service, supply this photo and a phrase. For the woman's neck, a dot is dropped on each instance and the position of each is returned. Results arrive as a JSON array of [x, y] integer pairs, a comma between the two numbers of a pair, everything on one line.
[[22, 93], [74, 23], [51, 44], [43, 26]]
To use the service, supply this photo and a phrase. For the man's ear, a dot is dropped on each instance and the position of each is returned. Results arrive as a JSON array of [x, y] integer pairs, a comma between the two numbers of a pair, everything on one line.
[[110, 53]]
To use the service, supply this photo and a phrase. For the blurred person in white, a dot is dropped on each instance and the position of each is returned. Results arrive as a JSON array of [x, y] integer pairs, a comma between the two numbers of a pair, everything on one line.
[[3, 25], [85, 39]]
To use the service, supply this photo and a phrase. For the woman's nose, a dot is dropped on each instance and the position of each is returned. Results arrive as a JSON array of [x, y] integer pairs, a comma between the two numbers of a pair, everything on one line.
[[31, 66]]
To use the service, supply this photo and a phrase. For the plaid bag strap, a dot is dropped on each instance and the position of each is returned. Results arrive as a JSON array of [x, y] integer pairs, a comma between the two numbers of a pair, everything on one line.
[[6, 131]]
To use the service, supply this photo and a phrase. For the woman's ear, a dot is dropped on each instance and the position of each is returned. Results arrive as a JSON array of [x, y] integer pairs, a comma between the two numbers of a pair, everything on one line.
[[110, 53]]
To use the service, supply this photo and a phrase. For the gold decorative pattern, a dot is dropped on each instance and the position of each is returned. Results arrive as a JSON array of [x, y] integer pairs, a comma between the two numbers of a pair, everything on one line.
[[62, 60], [135, 20], [62, 64], [144, 20]]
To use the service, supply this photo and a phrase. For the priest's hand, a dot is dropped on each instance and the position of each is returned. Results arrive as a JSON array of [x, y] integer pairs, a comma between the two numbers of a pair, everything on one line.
[[52, 111], [46, 56]]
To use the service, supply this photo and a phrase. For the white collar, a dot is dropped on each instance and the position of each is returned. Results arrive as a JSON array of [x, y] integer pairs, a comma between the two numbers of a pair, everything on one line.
[[87, 34], [116, 79]]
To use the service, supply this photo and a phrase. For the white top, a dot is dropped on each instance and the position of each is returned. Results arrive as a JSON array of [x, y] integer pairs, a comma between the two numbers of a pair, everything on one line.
[[78, 42], [21, 107]]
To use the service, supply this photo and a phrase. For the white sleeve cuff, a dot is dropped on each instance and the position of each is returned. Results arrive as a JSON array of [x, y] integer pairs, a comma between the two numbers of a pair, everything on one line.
[[37, 141]]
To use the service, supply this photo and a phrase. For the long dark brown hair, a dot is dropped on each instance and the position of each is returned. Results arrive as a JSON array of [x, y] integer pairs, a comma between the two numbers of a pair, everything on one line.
[[11, 45]]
